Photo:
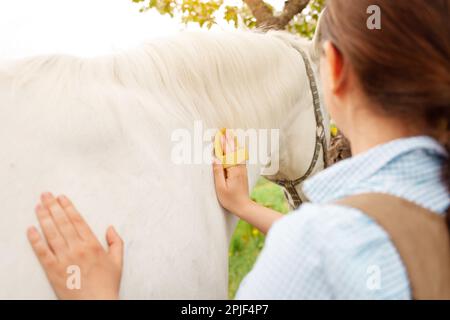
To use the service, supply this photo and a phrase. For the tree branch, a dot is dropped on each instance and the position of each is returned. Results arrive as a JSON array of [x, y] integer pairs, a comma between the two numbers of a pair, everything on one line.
[[261, 11], [291, 8], [267, 20]]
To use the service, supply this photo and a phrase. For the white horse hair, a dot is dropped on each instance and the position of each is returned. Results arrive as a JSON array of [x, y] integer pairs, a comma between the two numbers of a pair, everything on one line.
[[99, 130]]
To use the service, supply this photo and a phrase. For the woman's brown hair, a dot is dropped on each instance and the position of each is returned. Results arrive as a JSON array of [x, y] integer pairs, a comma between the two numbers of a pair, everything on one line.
[[404, 67]]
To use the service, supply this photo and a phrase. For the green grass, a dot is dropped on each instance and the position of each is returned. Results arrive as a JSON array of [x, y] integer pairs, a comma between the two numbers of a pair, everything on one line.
[[247, 242]]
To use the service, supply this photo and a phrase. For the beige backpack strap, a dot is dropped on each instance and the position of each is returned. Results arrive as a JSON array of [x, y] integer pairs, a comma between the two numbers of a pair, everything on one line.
[[420, 236]]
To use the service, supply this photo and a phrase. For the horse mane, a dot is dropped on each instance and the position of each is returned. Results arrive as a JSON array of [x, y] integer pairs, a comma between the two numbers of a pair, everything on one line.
[[233, 79]]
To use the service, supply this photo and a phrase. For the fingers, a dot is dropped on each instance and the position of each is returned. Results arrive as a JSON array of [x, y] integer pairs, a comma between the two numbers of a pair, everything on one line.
[[230, 142], [60, 218], [61, 223], [237, 171], [75, 217], [223, 141], [51, 233], [115, 244], [40, 247], [219, 174]]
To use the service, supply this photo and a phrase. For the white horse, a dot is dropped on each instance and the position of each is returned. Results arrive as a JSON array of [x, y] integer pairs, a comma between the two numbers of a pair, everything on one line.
[[99, 130]]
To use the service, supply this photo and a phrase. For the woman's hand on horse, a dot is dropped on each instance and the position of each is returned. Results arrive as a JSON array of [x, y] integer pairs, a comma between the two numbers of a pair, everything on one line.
[[231, 183], [233, 193], [232, 187], [76, 264]]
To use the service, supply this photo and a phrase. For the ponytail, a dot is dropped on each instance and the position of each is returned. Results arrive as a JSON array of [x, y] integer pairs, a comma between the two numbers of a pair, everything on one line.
[[446, 173], [404, 66]]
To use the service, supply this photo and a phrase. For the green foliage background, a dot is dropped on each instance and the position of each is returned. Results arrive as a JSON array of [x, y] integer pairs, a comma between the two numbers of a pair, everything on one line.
[[207, 13], [247, 242]]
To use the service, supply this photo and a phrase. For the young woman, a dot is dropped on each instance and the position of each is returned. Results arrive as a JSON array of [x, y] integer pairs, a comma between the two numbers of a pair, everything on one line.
[[388, 90]]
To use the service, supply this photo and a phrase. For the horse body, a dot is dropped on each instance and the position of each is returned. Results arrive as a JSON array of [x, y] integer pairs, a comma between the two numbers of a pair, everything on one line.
[[99, 130]]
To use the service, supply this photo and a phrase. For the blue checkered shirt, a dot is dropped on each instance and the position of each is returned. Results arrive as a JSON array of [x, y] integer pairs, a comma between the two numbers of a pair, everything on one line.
[[326, 251]]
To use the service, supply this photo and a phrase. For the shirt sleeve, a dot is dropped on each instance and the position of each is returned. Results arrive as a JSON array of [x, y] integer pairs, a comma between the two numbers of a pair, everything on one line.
[[326, 252], [290, 265]]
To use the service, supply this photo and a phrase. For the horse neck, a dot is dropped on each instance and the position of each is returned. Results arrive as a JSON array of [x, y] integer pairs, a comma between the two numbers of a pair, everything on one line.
[[230, 79]]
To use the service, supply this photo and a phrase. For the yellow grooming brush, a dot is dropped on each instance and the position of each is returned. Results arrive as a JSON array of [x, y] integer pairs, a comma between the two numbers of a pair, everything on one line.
[[228, 159]]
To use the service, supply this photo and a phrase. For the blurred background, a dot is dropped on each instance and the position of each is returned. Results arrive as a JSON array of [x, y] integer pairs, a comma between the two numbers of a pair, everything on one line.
[[94, 27]]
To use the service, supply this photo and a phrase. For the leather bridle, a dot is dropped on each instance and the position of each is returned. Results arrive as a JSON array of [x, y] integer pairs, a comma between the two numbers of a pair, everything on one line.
[[321, 141]]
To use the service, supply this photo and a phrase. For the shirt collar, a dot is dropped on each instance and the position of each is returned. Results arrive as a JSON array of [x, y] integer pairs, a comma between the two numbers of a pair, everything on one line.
[[330, 184]]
